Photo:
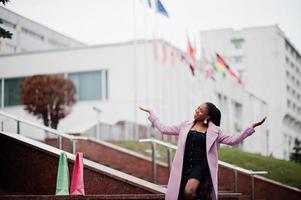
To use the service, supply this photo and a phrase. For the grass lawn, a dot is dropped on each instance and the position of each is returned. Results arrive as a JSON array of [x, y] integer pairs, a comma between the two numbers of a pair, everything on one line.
[[279, 170]]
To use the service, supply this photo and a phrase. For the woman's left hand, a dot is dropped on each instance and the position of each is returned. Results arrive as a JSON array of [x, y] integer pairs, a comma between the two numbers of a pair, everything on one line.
[[259, 123]]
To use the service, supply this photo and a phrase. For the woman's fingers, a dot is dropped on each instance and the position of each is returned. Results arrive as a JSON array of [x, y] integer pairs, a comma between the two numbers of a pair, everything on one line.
[[263, 120], [144, 109], [260, 122]]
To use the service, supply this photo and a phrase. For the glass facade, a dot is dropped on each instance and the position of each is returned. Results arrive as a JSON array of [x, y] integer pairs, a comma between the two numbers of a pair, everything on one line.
[[89, 85], [12, 91], [92, 85]]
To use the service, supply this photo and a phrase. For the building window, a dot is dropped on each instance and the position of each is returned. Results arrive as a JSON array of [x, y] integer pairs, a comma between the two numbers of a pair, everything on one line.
[[238, 110], [292, 51], [237, 59], [288, 102], [12, 91], [296, 55], [107, 83], [8, 24], [89, 85], [237, 45], [294, 106], [10, 48], [56, 43], [292, 65], [32, 33], [219, 97], [287, 47], [287, 60], [237, 42]]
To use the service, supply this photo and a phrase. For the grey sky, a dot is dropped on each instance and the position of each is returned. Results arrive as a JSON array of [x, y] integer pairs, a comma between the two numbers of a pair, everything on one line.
[[106, 21]]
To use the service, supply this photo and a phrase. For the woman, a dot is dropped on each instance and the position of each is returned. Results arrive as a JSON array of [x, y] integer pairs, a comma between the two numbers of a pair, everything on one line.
[[195, 165]]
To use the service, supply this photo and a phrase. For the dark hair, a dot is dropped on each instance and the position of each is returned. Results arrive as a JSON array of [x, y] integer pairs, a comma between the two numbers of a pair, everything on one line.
[[214, 113]]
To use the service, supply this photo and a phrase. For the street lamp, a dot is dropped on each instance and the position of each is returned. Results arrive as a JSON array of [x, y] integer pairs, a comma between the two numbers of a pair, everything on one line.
[[98, 111]]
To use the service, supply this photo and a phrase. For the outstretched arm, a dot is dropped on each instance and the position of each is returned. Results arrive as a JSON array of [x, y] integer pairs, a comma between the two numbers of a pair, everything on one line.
[[235, 139], [225, 138], [169, 130]]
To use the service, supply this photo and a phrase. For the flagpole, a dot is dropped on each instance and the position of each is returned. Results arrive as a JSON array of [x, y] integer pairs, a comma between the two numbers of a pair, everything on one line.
[[158, 100], [160, 70], [147, 96], [135, 72]]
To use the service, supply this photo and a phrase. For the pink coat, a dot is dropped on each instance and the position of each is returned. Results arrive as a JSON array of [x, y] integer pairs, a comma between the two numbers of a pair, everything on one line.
[[214, 136]]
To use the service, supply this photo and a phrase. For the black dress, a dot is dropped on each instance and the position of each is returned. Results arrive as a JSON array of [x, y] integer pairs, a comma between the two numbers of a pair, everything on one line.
[[195, 165]]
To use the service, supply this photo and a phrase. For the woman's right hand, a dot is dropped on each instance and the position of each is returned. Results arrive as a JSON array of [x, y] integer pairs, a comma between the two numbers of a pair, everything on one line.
[[145, 110]]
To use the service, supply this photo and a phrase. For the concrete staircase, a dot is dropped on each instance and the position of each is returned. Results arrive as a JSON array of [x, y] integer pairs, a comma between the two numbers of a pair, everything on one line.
[[140, 166], [127, 161], [29, 169]]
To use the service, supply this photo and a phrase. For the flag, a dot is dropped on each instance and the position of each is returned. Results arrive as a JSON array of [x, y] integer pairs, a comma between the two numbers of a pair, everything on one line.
[[149, 3], [236, 77], [209, 73], [161, 9], [226, 68], [205, 60], [214, 67], [172, 57], [191, 57], [221, 64], [192, 69], [164, 58]]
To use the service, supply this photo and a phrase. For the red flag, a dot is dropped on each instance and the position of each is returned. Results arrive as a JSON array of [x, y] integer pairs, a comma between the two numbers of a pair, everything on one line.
[[172, 57], [191, 57], [208, 72], [164, 58]]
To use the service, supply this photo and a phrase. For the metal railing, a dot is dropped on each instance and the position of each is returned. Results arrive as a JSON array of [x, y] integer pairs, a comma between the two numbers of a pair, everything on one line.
[[170, 147], [251, 173], [60, 135]]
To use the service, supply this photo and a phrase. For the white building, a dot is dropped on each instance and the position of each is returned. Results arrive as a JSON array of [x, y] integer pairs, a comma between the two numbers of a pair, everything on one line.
[[117, 78], [270, 66], [30, 36]]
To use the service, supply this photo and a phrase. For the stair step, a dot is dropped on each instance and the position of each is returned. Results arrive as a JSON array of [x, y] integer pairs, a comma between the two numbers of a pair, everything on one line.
[[86, 197], [229, 195]]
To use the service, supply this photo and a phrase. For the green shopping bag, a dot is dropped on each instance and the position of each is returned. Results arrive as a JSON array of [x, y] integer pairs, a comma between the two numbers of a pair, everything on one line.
[[62, 181]]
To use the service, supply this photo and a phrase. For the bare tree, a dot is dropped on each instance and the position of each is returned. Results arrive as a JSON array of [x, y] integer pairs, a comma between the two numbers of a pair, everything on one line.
[[49, 97]]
